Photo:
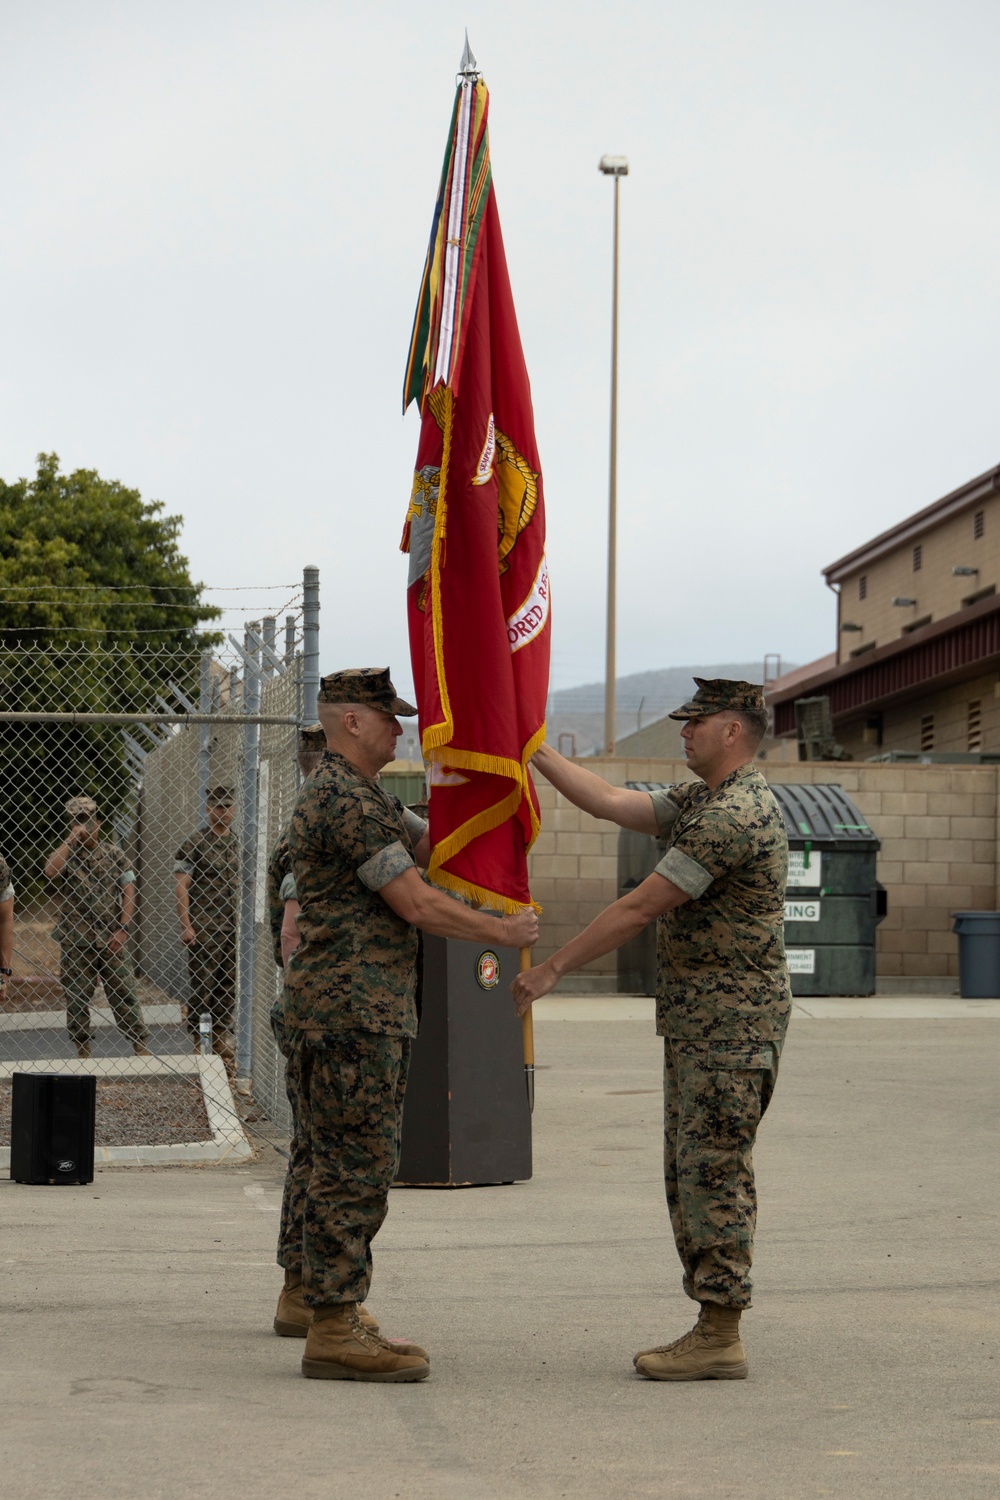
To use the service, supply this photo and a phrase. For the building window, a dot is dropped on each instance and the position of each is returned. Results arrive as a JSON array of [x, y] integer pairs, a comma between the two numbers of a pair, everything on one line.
[[863, 586], [927, 732], [917, 624], [918, 558], [975, 725], [978, 524], [986, 593]]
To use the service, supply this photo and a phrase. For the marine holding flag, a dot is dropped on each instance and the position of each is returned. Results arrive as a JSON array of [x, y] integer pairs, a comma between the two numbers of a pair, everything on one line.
[[478, 590]]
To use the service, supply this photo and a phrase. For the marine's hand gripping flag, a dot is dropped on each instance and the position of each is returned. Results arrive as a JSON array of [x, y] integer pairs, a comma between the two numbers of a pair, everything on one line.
[[478, 592]]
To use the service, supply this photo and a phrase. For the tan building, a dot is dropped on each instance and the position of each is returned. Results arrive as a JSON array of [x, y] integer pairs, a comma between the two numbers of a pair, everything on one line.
[[917, 664]]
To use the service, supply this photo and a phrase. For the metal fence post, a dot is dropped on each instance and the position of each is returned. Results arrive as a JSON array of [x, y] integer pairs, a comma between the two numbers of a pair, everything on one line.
[[289, 639], [248, 862], [310, 643], [268, 634], [204, 735]]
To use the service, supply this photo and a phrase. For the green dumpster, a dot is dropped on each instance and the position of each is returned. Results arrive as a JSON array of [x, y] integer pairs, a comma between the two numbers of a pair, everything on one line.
[[833, 901]]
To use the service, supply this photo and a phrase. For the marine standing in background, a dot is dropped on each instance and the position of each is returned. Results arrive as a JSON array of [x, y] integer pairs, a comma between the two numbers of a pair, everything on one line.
[[350, 1013], [206, 885], [6, 926], [722, 998], [96, 890]]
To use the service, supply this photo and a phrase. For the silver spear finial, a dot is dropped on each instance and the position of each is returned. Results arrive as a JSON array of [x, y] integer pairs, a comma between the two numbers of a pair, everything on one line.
[[468, 68]]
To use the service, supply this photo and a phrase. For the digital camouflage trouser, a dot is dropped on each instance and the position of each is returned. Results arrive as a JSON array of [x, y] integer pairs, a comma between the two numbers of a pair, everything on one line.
[[346, 1094], [293, 1198], [81, 965], [714, 1095], [212, 973]]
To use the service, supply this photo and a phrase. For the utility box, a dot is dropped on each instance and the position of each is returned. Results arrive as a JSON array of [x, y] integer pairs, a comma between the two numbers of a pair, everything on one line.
[[833, 901], [466, 1118]]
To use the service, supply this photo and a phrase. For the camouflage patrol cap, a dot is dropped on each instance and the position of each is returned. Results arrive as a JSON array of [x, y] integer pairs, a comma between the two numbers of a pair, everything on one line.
[[81, 807], [219, 796], [371, 686], [718, 695], [311, 739]]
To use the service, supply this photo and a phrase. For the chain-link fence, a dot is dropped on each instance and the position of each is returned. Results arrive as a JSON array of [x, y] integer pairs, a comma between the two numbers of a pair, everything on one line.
[[141, 794]]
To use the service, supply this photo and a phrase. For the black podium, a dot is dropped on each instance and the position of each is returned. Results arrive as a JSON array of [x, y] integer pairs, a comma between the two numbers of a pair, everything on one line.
[[466, 1119]]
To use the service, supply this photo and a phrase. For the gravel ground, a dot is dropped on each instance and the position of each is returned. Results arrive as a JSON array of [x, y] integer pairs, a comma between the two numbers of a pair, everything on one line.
[[138, 1112]]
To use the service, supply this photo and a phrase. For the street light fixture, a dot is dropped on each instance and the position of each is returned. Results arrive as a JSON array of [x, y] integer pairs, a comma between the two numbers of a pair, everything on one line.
[[614, 167]]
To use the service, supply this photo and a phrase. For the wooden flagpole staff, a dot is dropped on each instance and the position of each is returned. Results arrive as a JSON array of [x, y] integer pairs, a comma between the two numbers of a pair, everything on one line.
[[528, 1038]]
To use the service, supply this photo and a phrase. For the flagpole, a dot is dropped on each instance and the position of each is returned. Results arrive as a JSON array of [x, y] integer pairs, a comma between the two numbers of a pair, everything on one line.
[[528, 1038], [614, 167]]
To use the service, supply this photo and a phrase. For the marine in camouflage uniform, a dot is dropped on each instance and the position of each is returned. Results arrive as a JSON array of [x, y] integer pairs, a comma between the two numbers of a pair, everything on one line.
[[91, 877], [206, 873], [723, 996], [722, 1007], [350, 1016], [281, 889]]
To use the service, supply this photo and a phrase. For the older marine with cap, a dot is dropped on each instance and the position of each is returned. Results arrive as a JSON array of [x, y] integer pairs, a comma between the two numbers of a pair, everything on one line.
[[350, 1016], [722, 999]]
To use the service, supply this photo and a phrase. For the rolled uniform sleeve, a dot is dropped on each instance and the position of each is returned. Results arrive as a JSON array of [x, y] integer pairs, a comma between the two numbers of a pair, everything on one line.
[[385, 866], [184, 859], [709, 848], [287, 891]]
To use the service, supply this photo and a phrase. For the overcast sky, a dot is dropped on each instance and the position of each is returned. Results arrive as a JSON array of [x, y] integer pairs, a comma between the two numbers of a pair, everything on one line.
[[213, 220]]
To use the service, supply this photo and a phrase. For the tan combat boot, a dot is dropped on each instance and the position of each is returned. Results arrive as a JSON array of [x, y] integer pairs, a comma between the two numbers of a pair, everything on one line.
[[141, 1050], [712, 1350], [293, 1317], [339, 1347], [83, 1051]]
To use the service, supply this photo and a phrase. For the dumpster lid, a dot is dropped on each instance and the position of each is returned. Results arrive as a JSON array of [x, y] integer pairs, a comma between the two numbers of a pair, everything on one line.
[[822, 815]]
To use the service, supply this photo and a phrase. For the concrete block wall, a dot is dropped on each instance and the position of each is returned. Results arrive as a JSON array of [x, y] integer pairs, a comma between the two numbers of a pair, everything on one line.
[[937, 824]]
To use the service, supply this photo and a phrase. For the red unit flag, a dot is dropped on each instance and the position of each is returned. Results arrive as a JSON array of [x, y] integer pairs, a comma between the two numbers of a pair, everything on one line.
[[478, 591]]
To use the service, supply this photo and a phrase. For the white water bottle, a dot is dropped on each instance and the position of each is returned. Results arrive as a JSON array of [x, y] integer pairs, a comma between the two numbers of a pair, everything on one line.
[[205, 1033]]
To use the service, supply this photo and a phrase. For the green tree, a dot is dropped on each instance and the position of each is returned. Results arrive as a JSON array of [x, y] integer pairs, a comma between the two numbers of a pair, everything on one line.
[[89, 559], [98, 614]]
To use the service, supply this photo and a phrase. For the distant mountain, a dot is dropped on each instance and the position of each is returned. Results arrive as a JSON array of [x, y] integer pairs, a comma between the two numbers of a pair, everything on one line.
[[639, 698]]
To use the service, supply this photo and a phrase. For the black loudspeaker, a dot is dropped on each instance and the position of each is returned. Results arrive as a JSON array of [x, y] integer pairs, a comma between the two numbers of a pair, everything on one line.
[[52, 1128], [466, 1118]]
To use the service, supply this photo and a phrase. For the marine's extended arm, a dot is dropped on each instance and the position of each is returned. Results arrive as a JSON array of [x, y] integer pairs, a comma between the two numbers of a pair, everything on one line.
[[616, 925], [619, 804]]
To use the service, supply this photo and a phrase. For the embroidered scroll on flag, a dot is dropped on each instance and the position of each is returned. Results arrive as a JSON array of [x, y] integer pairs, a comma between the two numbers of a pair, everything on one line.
[[478, 591]]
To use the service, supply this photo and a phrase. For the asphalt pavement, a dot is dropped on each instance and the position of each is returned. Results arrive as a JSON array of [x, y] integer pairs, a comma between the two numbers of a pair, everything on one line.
[[138, 1358]]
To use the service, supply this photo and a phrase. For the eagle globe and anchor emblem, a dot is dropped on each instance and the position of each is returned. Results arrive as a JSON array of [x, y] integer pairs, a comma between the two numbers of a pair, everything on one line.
[[488, 970]]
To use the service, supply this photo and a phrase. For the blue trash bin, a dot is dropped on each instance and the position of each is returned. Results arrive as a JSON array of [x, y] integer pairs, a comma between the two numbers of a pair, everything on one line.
[[978, 954]]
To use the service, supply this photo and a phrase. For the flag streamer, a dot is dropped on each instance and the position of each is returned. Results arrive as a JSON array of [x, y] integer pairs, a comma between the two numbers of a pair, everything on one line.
[[478, 591]]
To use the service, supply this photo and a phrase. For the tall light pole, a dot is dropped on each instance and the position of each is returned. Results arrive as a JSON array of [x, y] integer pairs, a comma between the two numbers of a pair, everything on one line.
[[615, 167]]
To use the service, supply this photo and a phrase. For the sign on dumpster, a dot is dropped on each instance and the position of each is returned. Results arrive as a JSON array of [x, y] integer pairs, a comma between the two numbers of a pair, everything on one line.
[[802, 911], [799, 873], [801, 960]]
